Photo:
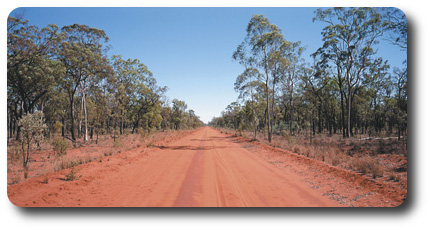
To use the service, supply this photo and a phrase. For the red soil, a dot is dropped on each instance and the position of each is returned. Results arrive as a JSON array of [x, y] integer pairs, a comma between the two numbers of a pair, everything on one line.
[[205, 169]]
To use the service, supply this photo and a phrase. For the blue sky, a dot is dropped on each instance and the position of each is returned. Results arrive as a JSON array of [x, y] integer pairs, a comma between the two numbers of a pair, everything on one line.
[[189, 50]]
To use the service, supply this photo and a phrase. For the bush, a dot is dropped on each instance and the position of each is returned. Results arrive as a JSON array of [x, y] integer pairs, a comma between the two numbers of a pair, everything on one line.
[[60, 146], [57, 127], [367, 164], [32, 128], [72, 175]]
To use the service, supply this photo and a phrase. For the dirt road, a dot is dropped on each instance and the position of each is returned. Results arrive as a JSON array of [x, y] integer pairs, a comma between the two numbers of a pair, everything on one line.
[[202, 169]]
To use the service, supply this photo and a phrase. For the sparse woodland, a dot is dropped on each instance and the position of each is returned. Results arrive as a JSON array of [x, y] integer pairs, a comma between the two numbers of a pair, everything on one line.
[[325, 130], [63, 88], [78, 92], [66, 74], [347, 108], [347, 90]]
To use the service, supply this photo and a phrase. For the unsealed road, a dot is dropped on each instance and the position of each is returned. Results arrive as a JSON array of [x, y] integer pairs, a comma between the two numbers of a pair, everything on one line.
[[203, 169]]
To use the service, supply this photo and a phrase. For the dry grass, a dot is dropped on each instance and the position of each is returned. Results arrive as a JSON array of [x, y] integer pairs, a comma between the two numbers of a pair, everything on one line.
[[367, 164], [43, 163], [357, 155]]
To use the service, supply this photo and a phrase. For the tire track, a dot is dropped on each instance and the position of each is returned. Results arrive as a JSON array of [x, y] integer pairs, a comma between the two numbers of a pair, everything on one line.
[[191, 187]]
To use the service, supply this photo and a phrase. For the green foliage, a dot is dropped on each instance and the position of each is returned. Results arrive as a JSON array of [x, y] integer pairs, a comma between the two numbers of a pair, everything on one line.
[[67, 73], [72, 175], [348, 90], [32, 127], [57, 127], [60, 146]]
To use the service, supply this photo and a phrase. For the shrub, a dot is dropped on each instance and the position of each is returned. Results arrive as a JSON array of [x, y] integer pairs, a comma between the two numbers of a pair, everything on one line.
[[367, 164], [32, 127], [284, 133], [72, 175], [60, 146], [57, 126]]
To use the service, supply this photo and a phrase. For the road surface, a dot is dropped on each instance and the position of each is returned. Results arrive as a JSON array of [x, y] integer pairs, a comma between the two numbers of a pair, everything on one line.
[[203, 169]]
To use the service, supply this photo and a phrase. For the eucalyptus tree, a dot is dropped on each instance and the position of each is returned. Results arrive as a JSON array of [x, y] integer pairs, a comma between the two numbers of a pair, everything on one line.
[[99, 94], [314, 82], [262, 50], [289, 80], [349, 41], [400, 80], [146, 105], [397, 27], [377, 85], [178, 107], [82, 53], [31, 70], [248, 84], [129, 76]]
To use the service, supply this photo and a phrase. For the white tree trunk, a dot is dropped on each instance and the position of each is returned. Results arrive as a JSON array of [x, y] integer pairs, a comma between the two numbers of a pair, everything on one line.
[[85, 112]]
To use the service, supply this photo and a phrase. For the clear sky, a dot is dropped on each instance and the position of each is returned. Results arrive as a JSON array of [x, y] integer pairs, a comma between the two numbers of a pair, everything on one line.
[[190, 50]]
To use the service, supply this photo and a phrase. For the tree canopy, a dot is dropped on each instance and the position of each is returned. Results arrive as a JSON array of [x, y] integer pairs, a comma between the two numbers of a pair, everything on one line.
[[66, 74], [348, 88]]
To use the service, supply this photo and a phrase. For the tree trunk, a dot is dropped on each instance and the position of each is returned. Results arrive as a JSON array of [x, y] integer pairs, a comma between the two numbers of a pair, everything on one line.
[[9, 126], [121, 128], [80, 117], [86, 118], [63, 126], [26, 156], [72, 116], [255, 122], [349, 112], [269, 134], [342, 105]]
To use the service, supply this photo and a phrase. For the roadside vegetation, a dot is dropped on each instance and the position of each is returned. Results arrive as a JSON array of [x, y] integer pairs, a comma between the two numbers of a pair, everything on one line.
[[348, 107], [64, 92]]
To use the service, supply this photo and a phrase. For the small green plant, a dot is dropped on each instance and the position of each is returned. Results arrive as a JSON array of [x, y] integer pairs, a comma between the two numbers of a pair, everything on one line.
[[72, 175], [60, 146]]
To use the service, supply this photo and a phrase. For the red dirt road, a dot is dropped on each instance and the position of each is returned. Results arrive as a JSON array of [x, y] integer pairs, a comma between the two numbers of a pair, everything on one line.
[[202, 169]]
